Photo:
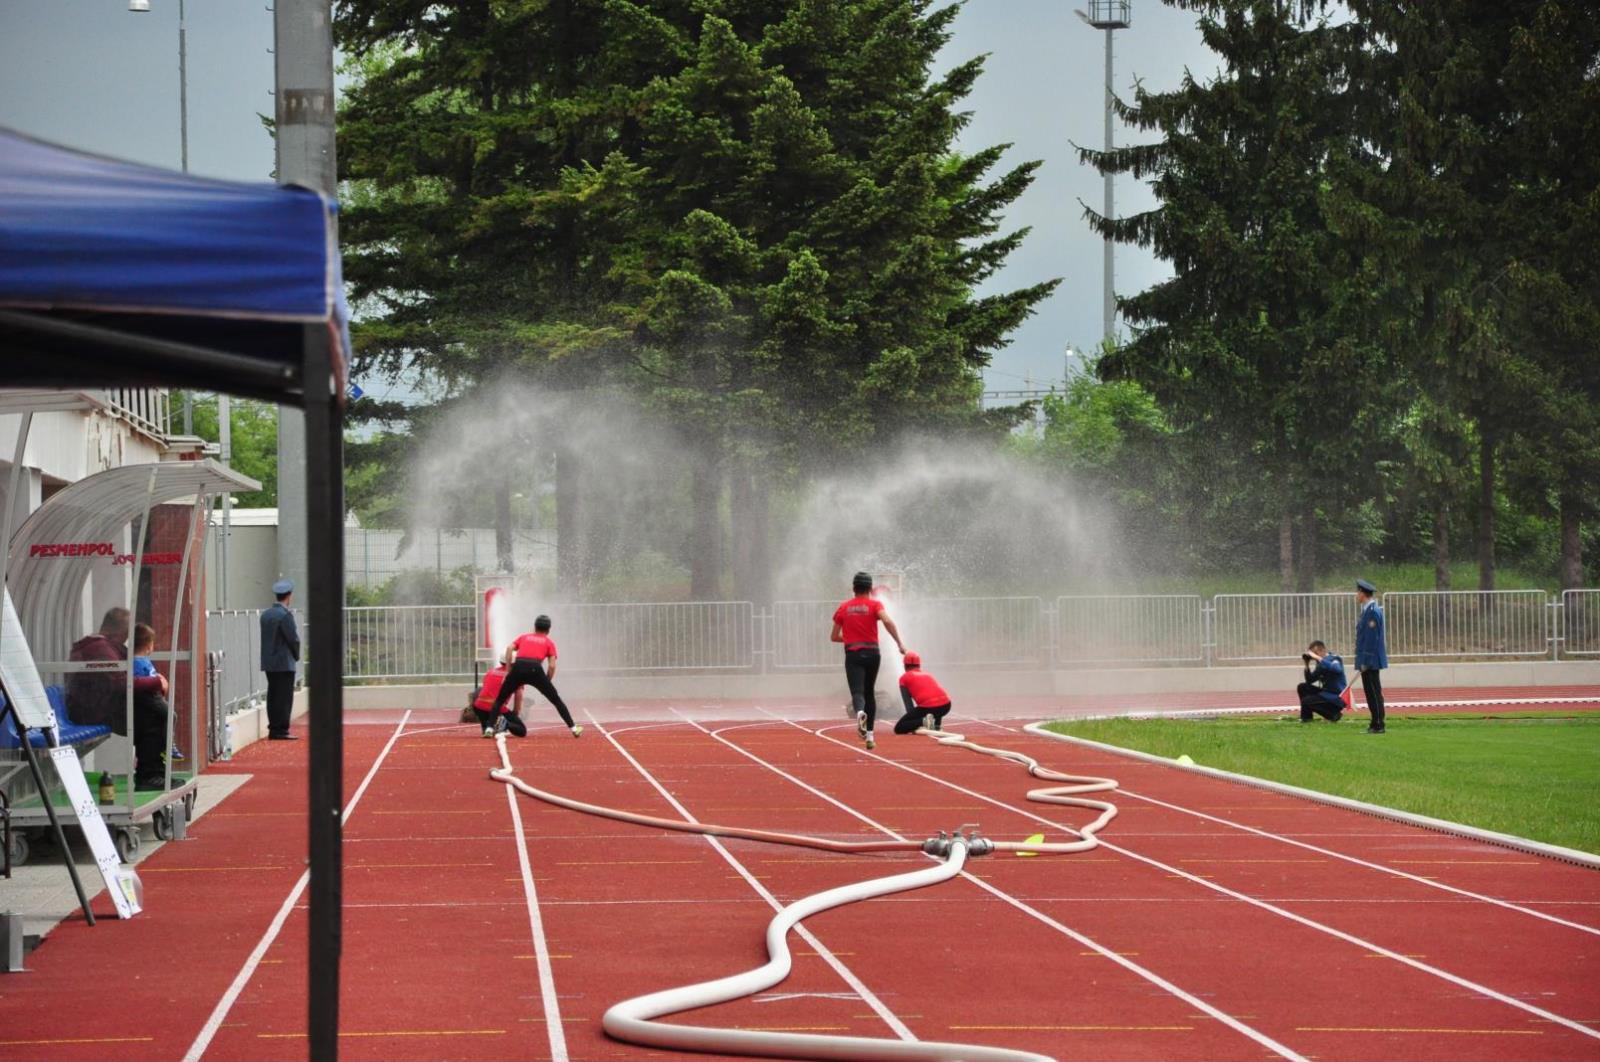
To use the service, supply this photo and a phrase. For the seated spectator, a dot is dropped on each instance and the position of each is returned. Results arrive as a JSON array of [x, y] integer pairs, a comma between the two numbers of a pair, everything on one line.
[[1324, 683], [99, 698], [150, 712]]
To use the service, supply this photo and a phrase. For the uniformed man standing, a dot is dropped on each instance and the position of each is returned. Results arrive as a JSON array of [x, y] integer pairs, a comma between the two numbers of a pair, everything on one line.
[[280, 648], [1372, 653]]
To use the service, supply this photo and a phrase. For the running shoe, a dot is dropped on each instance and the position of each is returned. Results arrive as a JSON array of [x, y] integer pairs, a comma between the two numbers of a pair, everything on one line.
[[488, 731], [176, 755], [871, 744], [577, 731], [861, 724]]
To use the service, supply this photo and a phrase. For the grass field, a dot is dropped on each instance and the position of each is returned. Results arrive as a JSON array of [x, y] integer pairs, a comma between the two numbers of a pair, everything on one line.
[[1533, 775]]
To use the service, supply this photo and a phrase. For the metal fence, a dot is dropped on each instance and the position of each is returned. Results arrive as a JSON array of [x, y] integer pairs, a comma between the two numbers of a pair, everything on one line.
[[1138, 629], [1580, 623], [440, 641], [409, 641], [1468, 623], [233, 640], [1246, 627], [950, 632]]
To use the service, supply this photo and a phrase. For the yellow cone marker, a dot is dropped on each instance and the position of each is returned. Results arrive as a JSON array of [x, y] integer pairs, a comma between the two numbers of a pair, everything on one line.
[[1185, 760], [1037, 838]]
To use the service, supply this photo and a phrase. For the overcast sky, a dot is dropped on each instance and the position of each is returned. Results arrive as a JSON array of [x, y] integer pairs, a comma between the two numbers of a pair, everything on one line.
[[93, 75]]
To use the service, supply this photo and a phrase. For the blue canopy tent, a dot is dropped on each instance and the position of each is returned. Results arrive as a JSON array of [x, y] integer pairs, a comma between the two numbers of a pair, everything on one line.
[[115, 274]]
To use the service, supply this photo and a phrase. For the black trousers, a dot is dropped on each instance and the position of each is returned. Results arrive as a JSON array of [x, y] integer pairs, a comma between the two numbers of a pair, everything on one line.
[[1312, 701], [514, 721], [861, 672], [1372, 686], [915, 717], [531, 673], [280, 701], [150, 712]]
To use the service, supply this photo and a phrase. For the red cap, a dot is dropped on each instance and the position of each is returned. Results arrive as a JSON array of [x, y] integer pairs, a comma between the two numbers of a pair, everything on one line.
[[913, 660]]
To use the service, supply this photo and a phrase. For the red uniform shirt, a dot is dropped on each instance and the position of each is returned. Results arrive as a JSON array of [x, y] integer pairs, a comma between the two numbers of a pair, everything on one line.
[[491, 688], [924, 689], [859, 619], [535, 647]]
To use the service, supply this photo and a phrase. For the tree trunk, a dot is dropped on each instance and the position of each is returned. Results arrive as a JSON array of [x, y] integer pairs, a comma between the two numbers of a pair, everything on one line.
[[705, 543], [1286, 554], [1441, 545], [752, 552], [1486, 513], [1306, 556], [1571, 544], [571, 562], [504, 559]]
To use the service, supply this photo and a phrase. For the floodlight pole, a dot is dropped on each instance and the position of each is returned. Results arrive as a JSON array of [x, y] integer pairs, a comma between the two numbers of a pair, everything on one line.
[[1108, 307], [303, 55]]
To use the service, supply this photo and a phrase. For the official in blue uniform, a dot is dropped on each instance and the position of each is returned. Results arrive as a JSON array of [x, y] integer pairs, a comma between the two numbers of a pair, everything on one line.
[[1322, 693], [280, 648], [1372, 653]]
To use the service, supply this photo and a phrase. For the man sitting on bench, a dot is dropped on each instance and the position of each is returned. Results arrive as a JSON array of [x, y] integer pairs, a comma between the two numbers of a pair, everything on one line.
[[99, 698]]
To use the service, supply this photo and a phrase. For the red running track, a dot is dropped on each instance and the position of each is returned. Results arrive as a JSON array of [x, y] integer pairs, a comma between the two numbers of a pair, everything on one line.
[[1216, 921]]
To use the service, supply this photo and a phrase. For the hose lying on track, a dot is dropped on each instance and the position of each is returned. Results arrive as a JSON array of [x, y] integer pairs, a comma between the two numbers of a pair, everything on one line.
[[1061, 794], [633, 1020]]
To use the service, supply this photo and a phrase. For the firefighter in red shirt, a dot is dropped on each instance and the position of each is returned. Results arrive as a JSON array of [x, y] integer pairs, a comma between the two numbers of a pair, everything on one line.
[[926, 701], [855, 623], [483, 702], [531, 651]]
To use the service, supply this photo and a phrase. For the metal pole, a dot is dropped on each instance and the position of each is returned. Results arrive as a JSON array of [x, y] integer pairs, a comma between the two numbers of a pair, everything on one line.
[[325, 519], [183, 105], [303, 53], [225, 438], [1109, 303]]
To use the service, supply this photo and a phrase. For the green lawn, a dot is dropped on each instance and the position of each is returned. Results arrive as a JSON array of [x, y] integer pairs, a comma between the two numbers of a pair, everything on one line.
[[1532, 775]]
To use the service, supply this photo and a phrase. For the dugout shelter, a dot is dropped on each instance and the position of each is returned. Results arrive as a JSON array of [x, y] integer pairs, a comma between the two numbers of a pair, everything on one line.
[[119, 274]]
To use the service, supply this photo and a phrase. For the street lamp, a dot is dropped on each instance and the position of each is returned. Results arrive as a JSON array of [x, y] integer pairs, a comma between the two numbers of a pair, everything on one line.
[[1109, 15], [143, 7]]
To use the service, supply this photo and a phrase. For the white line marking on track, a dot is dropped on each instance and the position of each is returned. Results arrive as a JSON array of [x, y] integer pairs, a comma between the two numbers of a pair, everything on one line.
[[1357, 860], [1149, 975], [541, 950], [871, 999], [1251, 900], [225, 1004]]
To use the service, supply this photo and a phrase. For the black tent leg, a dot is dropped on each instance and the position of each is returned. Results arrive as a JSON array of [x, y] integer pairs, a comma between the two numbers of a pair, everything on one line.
[[325, 574], [55, 823]]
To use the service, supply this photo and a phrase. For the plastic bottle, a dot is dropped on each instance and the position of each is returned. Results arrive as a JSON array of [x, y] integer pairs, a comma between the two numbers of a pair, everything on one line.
[[108, 788], [227, 741]]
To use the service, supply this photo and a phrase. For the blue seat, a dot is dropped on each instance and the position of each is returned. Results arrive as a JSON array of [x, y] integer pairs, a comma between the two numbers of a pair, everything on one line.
[[69, 732]]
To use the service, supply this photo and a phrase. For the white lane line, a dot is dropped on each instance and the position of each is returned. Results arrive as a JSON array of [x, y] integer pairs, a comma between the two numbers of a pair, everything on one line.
[[1357, 860], [1309, 923], [878, 1006], [541, 950], [1132, 967], [225, 1004]]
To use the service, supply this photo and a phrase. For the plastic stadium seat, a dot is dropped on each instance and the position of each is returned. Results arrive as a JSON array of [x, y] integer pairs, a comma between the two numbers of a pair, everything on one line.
[[70, 733]]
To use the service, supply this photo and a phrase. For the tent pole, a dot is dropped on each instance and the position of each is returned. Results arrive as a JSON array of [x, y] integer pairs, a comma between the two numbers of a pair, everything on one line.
[[325, 586]]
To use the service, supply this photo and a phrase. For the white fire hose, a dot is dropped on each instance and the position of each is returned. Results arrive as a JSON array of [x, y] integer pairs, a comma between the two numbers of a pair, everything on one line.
[[633, 1020]]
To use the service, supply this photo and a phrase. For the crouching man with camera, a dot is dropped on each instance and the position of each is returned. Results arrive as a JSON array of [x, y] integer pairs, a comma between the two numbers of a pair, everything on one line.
[[1322, 692]]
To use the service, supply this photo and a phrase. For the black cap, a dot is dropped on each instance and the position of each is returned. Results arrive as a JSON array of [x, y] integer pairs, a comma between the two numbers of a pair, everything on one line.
[[861, 582], [542, 623], [1365, 587]]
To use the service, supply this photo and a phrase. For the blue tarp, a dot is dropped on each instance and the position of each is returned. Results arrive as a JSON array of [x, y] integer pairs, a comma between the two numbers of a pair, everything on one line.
[[80, 232]]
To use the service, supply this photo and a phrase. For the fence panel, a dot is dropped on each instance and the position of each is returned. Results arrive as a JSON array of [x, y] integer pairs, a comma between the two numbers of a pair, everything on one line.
[[236, 635], [1130, 629], [1580, 623], [948, 632], [409, 641], [1467, 623], [656, 636], [1279, 626]]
